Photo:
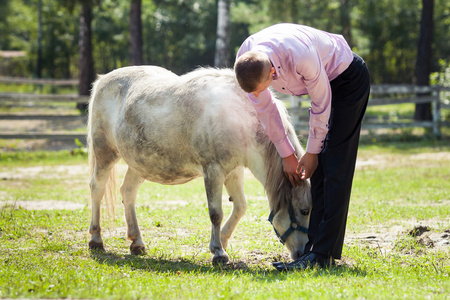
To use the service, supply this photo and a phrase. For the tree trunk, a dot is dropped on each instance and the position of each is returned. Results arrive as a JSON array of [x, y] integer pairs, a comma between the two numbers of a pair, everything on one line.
[[39, 56], [345, 21], [87, 72], [423, 62], [135, 33], [223, 34]]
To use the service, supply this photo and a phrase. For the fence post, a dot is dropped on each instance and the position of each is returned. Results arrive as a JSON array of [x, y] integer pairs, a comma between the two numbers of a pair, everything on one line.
[[293, 101], [437, 114]]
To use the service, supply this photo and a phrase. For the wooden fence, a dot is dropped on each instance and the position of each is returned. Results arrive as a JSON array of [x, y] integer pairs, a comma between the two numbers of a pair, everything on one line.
[[380, 95], [386, 94], [20, 99]]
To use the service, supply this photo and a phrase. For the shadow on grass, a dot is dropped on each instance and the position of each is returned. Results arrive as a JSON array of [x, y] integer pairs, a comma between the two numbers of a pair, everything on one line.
[[179, 266]]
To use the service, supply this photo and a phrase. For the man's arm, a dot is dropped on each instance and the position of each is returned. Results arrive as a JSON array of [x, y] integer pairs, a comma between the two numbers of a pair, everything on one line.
[[270, 118]]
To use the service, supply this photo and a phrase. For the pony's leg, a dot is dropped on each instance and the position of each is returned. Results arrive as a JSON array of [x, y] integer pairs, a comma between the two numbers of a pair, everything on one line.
[[235, 188], [129, 189], [100, 176], [214, 180]]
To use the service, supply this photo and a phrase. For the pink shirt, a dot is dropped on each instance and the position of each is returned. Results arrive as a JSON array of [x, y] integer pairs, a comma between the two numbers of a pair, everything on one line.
[[305, 61]]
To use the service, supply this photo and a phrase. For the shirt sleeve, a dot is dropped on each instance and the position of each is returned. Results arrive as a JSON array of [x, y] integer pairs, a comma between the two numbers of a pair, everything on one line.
[[270, 118], [318, 86]]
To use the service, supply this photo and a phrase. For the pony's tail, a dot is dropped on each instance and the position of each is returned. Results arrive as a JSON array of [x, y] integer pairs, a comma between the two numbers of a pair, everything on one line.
[[110, 195]]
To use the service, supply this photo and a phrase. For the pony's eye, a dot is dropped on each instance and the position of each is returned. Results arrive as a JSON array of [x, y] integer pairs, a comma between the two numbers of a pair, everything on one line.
[[304, 212]]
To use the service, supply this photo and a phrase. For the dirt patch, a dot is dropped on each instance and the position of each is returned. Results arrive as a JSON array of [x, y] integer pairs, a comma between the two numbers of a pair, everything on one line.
[[42, 205], [381, 161], [56, 171], [45, 171], [395, 238], [50, 172]]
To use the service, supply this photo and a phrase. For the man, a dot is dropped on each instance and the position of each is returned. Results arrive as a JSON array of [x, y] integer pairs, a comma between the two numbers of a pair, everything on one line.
[[298, 60]]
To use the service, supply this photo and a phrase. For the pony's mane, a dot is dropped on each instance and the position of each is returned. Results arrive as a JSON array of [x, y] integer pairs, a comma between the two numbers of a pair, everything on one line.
[[278, 187]]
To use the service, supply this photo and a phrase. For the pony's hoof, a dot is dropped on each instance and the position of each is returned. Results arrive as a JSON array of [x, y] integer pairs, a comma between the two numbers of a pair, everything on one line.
[[96, 246], [220, 260], [137, 250]]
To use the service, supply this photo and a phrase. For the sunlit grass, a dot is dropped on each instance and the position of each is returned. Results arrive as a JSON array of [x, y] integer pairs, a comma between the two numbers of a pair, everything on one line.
[[44, 253]]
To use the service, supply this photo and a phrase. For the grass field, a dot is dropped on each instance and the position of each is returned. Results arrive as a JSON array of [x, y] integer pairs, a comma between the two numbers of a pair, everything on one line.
[[397, 243]]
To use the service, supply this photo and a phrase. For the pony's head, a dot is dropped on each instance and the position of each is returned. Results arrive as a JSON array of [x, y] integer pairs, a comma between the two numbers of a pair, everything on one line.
[[290, 218]]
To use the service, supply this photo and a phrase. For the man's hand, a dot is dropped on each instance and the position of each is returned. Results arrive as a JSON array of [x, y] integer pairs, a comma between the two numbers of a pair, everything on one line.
[[307, 165], [290, 165]]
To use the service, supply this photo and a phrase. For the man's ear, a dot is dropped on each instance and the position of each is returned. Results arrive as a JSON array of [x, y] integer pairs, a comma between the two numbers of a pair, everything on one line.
[[272, 70]]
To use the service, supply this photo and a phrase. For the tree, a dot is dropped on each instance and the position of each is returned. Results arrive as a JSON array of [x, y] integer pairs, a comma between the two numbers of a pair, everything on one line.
[[4, 28], [288, 10], [87, 72], [135, 33], [423, 62], [344, 11], [223, 34], [182, 35], [39, 56]]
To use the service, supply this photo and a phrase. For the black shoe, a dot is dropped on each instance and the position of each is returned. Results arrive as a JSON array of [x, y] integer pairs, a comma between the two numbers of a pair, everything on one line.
[[277, 264], [307, 261]]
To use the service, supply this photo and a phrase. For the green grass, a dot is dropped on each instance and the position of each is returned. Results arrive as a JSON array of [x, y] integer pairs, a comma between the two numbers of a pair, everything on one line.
[[43, 253], [36, 89], [41, 158]]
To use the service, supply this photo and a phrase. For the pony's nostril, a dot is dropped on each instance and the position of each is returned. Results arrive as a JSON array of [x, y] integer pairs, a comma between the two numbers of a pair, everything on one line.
[[296, 255]]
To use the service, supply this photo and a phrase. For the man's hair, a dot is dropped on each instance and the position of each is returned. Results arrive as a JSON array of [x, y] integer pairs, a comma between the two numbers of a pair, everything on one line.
[[252, 68]]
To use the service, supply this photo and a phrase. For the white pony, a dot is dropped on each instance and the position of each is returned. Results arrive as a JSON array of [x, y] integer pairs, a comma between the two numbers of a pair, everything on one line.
[[171, 129]]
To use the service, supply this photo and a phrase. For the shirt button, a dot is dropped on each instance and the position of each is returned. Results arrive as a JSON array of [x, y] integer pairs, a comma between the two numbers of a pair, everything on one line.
[[283, 88]]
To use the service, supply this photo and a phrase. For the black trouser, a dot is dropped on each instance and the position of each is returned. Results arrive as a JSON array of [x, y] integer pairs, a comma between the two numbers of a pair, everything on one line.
[[331, 183]]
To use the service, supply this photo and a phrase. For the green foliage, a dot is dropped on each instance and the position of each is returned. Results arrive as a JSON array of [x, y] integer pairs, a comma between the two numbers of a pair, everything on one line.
[[391, 29], [81, 150], [180, 35], [441, 43], [110, 35]]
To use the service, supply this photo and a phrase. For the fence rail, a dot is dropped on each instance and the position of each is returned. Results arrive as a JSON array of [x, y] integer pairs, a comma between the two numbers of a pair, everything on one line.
[[387, 94], [24, 117], [44, 136], [54, 82], [380, 95], [48, 97]]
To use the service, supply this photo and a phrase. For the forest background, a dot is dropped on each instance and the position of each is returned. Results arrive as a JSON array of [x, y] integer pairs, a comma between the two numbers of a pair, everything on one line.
[[180, 35]]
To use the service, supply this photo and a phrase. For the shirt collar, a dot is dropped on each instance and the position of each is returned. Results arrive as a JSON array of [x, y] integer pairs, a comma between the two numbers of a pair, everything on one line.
[[273, 58]]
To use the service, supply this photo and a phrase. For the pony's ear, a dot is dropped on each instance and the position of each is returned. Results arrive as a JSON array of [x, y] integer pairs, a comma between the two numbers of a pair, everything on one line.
[[285, 193], [301, 196]]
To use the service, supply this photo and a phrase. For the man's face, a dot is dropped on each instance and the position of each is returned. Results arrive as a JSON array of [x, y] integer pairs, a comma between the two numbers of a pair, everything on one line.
[[264, 85]]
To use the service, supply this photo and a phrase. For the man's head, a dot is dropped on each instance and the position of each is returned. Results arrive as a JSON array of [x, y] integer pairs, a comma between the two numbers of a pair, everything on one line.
[[254, 72]]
